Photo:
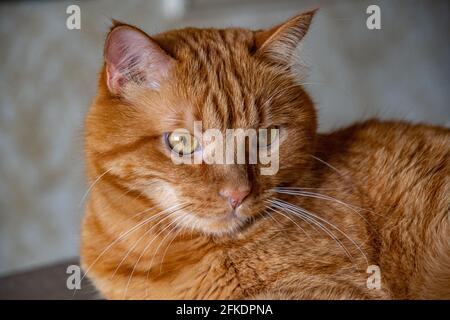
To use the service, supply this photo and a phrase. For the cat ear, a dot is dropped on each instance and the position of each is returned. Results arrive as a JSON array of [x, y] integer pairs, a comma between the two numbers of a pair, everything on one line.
[[279, 43], [132, 56]]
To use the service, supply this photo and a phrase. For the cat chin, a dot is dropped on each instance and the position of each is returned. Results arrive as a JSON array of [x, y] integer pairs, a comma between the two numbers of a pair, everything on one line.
[[223, 225], [227, 228]]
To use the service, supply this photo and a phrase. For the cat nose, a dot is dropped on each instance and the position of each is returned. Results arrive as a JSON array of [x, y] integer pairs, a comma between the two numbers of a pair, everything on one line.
[[235, 197]]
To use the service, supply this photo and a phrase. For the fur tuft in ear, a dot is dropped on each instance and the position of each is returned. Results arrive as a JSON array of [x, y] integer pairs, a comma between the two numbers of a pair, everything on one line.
[[132, 56], [279, 43]]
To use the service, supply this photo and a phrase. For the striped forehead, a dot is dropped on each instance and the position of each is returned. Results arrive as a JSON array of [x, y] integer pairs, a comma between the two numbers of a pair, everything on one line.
[[224, 91]]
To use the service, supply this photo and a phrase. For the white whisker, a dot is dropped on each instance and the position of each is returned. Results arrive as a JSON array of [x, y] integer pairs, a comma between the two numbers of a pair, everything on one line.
[[273, 218], [317, 224], [92, 186], [167, 248], [144, 235], [328, 165], [327, 198], [286, 216], [328, 223], [129, 231], [143, 252]]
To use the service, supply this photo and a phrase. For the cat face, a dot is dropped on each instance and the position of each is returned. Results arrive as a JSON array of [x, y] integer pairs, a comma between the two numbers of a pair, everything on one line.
[[225, 79]]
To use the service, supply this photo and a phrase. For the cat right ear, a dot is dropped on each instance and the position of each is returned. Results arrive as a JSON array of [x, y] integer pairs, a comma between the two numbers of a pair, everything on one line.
[[131, 56], [278, 43]]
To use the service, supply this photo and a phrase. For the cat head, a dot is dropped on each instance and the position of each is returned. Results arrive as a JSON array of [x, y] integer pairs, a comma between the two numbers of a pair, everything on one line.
[[150, 86]]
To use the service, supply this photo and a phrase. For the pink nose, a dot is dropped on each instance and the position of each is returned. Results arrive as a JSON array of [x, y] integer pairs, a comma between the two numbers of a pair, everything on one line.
[[235, 197]]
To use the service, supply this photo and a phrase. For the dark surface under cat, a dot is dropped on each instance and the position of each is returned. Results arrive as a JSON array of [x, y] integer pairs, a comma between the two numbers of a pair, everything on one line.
[[47, 282]]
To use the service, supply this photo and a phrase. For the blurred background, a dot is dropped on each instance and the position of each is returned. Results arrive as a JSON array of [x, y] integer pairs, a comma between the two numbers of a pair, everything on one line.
[[48, 79]]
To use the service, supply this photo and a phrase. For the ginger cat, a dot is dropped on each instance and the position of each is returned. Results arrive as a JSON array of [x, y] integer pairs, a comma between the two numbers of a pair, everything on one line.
[[373, 194]]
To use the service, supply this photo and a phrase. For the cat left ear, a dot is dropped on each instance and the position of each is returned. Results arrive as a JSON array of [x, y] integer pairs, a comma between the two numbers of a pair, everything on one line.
[[279, 43], [132, 56]]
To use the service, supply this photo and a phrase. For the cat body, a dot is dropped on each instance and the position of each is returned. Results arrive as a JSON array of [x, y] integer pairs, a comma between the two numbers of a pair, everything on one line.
[[373, 196]]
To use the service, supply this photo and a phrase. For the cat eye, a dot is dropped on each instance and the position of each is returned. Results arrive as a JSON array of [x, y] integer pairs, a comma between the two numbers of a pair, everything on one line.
[[267, 137], [182, 143]]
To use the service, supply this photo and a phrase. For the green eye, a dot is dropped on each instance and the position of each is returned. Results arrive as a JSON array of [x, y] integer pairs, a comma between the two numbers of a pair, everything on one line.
[[182, 142], [268, 137]]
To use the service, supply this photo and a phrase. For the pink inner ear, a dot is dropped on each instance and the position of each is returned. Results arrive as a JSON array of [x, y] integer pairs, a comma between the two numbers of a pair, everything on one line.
[[130, 55]]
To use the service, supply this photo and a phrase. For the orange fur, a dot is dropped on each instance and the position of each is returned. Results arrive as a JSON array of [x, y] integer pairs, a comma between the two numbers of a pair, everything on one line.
[[387, 185]]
